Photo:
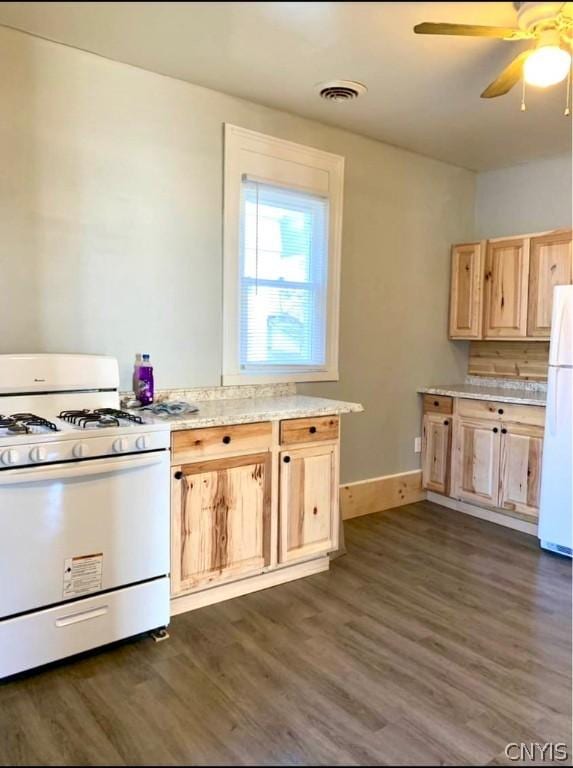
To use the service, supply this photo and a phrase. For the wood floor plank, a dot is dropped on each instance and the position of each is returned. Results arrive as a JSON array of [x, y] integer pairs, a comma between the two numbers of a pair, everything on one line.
[[436, 640]]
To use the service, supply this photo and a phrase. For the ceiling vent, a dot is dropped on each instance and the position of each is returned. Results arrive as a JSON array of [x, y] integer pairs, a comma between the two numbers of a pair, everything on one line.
[[341, 90]]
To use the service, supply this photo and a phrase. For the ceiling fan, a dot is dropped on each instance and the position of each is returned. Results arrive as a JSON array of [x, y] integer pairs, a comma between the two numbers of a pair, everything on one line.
[[546, 63]]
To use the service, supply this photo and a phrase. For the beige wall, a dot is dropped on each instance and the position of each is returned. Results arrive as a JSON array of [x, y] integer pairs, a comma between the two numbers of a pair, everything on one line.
[[524, 198], [110, 214]]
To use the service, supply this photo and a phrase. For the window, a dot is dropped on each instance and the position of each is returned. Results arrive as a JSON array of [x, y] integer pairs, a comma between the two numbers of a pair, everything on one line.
[[283, 277], [282, 242]]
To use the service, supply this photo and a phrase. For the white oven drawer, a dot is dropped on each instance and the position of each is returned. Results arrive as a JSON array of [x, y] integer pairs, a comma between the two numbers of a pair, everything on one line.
[[71, 530], [44, 636]]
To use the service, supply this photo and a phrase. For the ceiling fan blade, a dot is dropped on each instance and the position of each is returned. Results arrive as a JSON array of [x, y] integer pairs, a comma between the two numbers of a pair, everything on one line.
[[470, 30], [508, 78]]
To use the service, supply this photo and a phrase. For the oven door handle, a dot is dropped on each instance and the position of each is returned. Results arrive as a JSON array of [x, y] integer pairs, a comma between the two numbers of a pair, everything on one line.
[[78, 471]]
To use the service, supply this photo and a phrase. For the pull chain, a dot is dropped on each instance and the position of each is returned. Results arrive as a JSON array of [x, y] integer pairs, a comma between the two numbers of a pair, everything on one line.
[[523, 107], [568, 102]]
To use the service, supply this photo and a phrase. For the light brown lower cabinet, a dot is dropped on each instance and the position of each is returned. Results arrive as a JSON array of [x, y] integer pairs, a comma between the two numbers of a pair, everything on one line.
[[239, 510], [520, 476], [308, 501], [436, 438], [484, 452], [476, 461], [498, 464], [221, 516]]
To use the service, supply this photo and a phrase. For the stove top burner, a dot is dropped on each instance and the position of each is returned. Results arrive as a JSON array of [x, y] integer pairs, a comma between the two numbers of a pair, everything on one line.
[[22, 423], [100, 417]]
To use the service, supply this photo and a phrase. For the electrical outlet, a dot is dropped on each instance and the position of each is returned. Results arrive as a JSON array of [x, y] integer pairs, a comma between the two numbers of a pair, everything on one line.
[[417, 445]]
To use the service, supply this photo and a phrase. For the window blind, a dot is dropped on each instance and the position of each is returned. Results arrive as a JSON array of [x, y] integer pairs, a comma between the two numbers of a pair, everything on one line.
[[283, 278]]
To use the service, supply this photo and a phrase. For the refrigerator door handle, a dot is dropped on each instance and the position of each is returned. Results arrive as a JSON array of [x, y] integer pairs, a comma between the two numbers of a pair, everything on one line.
[[552, 401]]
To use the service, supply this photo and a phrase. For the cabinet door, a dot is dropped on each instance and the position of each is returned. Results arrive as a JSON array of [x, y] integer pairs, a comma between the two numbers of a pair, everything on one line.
[[466, 291], [476, 461], [308, 502], [436, 452], [220, 520], [505, 298], [550, 265], [520, 480]]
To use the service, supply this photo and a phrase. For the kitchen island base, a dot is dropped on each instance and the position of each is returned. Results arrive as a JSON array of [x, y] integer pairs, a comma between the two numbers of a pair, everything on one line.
[[253, 505]]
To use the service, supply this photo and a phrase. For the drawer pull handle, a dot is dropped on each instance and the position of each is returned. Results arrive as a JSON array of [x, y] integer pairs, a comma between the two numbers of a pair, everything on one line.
[[436, 403], [446, 422], [227, 439], [178, 475], [495, 430], [286, 459], [504, 431], [500, 411], [83, 616], [312, 430]]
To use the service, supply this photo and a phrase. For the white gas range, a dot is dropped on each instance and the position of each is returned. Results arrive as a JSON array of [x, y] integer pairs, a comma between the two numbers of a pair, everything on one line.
[[84, 511]]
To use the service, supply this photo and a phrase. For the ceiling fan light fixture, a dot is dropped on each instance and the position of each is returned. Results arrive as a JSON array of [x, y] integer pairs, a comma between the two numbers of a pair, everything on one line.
[[549, 63]]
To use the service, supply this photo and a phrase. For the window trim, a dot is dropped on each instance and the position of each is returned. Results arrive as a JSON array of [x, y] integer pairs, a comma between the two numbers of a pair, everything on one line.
[[293, 166]]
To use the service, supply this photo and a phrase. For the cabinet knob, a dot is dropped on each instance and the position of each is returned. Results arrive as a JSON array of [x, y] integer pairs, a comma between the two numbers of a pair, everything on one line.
[[178, 475], [436, 403], [227, 439], [495, 429], [446, 422], [504, 431], [312, 430], [286, 459], [500, 411]]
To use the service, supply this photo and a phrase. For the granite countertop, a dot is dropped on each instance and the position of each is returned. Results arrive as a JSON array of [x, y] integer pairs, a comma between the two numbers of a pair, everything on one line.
[[504, 394], [224, 412]]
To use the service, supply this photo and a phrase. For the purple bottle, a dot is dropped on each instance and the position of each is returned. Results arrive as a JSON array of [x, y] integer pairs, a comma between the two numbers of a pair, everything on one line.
[[144, 391]]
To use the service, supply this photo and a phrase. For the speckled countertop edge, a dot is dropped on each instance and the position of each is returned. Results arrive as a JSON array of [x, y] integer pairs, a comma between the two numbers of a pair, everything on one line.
[[227, 412], [479, 392]]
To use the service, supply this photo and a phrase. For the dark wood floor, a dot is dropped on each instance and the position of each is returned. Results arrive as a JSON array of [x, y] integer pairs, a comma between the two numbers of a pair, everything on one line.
[[437, 640]]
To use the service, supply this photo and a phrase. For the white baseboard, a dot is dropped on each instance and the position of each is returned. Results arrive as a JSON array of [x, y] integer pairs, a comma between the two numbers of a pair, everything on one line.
[[483, 514], [214, 595]]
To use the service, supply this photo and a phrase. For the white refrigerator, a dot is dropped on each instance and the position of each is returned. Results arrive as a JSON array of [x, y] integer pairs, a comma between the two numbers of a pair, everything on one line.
[[556, 505]]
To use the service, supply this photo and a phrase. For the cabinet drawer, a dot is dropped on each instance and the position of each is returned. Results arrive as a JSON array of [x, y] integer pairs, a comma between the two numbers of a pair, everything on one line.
[[488, 409], [191, 444], [294, 431], [438, 404]]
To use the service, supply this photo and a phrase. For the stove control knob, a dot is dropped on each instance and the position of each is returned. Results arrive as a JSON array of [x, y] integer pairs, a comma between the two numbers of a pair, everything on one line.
[[38, 454], [142, 442], [10, 456], [80, 451], [120, 445]]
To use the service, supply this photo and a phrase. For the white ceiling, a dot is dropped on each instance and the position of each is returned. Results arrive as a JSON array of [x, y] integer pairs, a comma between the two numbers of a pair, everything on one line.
[[423, 92]]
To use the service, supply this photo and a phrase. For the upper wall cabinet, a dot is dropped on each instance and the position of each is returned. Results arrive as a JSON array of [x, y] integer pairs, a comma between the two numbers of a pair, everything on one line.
[[466, 291], [503, 289], [505, 296], [550, 265]]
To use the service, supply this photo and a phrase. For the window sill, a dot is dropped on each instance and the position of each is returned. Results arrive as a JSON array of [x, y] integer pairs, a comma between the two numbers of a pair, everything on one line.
[[302, 377]]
